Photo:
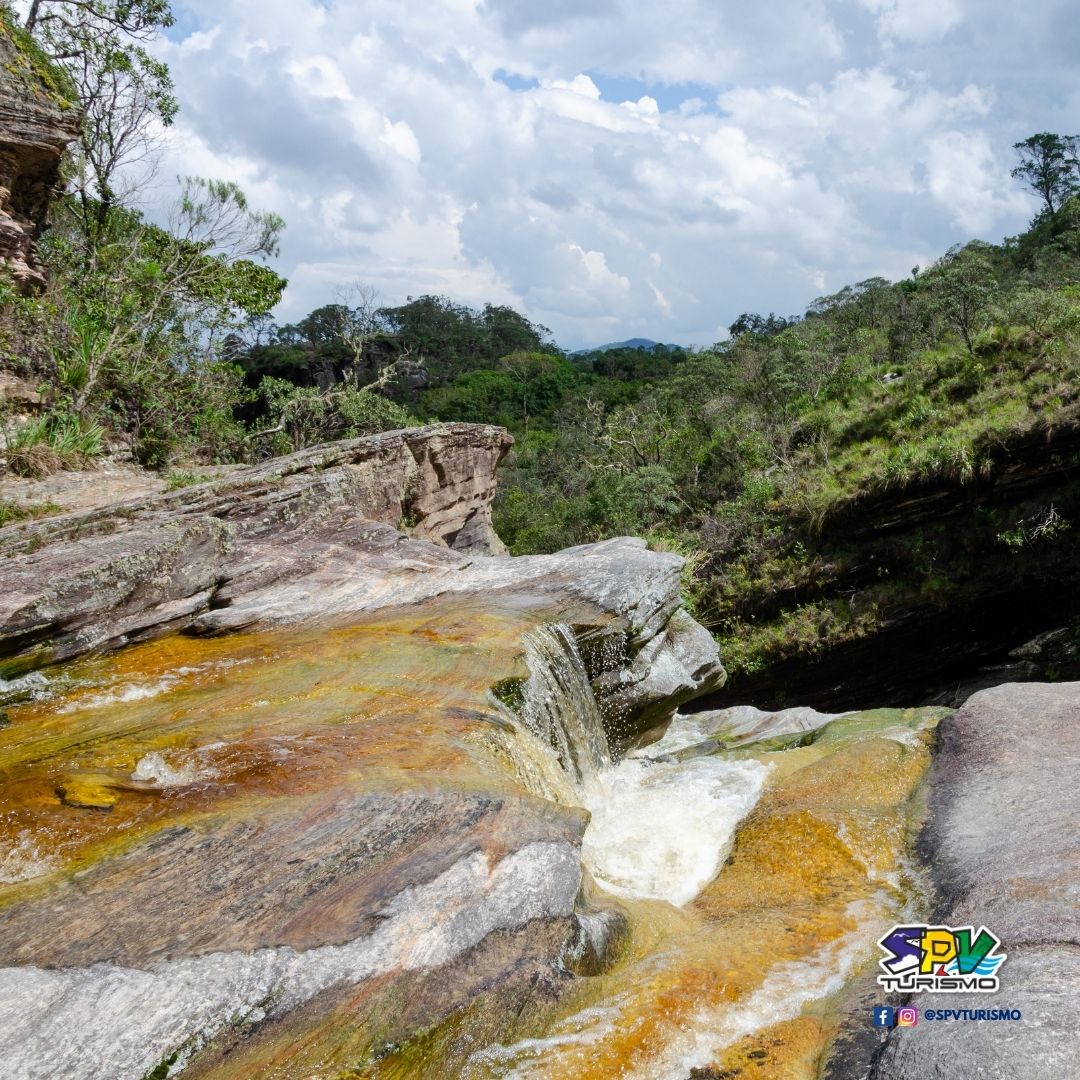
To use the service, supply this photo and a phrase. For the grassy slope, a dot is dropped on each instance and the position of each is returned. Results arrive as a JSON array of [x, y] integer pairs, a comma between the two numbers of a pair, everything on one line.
[[926, 491]]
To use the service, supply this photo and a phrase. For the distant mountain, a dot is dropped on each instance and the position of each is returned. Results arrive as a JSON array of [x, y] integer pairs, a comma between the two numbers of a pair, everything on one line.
[[630, 343]]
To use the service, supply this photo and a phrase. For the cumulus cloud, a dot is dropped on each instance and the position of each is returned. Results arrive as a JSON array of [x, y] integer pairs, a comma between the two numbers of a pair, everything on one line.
[[915, 20], [611, 167]]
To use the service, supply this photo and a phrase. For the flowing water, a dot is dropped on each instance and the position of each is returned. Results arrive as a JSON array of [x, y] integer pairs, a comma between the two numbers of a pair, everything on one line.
[[753, 883]]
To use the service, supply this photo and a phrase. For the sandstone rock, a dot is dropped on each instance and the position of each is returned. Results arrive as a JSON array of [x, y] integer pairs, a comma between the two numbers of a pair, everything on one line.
[[674, 666], [335, 843], [1000, 845], [312, 537], [741, 724], [87, 793], [97, 579], [1043, 983], [278, 910], [38, 118], [303, 872]]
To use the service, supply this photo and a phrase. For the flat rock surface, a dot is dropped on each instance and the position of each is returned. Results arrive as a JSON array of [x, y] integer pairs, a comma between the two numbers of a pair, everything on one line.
[[112, 483], [301, 872], [1005, 803]]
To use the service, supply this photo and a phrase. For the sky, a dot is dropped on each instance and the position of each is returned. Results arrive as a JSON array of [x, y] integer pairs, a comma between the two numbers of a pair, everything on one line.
[[619, 168]]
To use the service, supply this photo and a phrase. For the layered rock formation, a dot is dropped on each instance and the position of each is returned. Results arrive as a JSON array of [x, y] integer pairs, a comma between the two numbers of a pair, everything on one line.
[[313, 537], [361, 839], [379, 865], [38, 119], [948, 598], [105, 577]]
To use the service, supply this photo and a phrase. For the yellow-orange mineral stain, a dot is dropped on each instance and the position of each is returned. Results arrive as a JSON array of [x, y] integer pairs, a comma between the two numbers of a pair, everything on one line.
[[165, 732], [818, 864], [179, 727]]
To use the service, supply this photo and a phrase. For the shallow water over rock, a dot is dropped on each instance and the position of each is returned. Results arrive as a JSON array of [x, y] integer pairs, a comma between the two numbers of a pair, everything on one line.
[[335, 852], [745, 973]]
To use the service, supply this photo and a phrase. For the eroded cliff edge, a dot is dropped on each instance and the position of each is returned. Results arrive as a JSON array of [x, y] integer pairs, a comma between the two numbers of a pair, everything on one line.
[[330, 533], [38, 118]]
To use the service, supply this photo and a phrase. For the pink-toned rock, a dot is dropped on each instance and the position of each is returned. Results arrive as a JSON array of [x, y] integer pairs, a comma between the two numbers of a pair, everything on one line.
[[87, 581]]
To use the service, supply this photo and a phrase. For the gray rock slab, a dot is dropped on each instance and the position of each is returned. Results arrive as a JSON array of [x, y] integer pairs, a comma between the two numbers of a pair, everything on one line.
[[1000, 844]]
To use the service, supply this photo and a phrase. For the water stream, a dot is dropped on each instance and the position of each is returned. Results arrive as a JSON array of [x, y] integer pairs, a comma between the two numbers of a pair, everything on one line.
[[722, 960], [753, 883]]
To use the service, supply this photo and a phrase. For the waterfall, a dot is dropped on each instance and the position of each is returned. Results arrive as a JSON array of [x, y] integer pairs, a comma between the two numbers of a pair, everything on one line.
[[558, 702], [660, 827]]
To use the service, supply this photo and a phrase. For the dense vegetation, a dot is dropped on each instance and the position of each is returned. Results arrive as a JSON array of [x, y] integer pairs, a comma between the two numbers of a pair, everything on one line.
[[812, 468], [128, 340]]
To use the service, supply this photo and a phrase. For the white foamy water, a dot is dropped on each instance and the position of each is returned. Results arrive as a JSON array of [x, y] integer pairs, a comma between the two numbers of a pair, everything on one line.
[[527, 1058], [153, 768], [126, 693], [23, 861], [35, 684], [697, 1040], [663, 829], [783, 995], [660, 829], [121, 695]]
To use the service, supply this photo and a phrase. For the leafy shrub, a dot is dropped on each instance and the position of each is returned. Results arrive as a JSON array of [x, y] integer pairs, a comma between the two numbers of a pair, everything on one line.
[[305, 415]]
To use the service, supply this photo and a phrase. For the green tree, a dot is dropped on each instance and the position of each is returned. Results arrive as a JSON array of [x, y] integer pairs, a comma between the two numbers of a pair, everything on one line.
[[123, 90], [138, 19], [150, 311], [305, 415], [963, 285], [537, 377], [1050, 165]]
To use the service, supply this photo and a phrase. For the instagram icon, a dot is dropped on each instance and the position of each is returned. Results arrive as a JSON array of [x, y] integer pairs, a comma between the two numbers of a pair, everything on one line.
[[907, 1016]]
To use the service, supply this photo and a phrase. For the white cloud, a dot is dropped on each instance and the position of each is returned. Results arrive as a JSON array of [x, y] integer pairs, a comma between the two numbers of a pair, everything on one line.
[[663, 304], [820, 143], [320, 77], [966, 177], [916, 21]]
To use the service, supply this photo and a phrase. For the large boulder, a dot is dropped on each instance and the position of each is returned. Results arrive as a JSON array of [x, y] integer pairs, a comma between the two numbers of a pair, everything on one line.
[[128, 571], [1001, 848]]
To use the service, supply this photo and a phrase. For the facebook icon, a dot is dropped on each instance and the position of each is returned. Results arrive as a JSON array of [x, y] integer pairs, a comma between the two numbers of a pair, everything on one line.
[[884, 1016]]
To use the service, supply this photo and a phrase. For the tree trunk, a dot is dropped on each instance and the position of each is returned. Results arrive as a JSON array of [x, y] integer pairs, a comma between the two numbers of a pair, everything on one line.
[[32, 16]]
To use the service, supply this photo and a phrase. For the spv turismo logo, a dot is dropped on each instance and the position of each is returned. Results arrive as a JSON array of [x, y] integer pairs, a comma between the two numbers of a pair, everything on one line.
[[945, 959]]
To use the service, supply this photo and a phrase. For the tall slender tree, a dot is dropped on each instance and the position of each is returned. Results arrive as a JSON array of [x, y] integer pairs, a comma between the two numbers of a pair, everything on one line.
[[125, 93]]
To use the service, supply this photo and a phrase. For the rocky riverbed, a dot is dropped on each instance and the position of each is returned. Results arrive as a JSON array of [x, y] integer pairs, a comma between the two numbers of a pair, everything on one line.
[[303, 777]]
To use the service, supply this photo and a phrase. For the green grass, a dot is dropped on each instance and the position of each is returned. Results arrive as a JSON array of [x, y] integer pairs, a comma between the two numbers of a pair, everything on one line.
[[182, 478], [12, 512], [53, 442]]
